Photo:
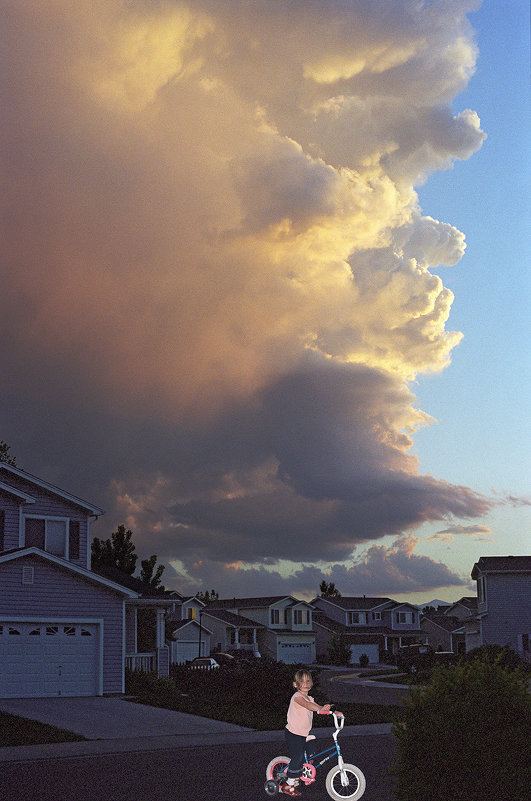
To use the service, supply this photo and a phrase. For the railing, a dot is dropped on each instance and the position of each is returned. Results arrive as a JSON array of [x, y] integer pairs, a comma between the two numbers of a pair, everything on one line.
[[141, 662]]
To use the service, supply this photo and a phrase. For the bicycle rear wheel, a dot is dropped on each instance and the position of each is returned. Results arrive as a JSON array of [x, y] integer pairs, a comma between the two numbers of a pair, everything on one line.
[[276, 766], [354, 789]]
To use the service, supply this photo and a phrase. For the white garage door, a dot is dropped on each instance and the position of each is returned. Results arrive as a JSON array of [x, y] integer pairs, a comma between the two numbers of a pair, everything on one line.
[[182, 651], [48, 659], [293, 653], [371, 650]]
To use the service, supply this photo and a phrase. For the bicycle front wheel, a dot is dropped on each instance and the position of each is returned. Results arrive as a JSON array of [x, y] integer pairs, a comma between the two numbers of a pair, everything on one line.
[[276, 766], [355, 787]]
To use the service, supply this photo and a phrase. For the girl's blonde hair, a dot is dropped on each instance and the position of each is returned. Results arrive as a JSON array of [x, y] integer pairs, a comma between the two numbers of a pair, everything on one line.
[[300, 675]]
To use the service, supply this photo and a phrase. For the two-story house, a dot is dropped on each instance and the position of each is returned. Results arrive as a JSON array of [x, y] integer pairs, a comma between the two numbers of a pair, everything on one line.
[[189, 635], [371, 626], [281, 627], [64, 628], [445, 630], [504, 604]]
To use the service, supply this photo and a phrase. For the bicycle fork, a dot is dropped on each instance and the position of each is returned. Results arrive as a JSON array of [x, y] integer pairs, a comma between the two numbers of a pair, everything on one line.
[[340, 763]]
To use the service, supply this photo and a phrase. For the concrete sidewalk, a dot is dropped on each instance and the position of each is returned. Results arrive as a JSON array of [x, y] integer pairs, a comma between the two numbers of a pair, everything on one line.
[[115, 725]]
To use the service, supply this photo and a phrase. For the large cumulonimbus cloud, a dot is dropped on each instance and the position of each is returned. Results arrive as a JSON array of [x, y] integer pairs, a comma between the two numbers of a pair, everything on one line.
[[216, 275]]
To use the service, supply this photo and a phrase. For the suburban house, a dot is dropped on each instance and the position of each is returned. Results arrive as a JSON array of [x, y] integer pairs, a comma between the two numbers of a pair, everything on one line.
[[443, 632], [371, 626], [189, 636], [64, 628], [284, 631], [504, 604]]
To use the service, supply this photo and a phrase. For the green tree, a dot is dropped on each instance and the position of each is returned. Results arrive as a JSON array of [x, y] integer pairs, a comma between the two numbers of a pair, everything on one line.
[[149, 575], [5, 455], [466, 735], [118, 551], [339, 650], [207, 597], [329, 590]]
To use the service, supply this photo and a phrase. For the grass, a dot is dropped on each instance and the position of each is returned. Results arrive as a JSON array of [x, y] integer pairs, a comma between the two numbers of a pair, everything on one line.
[[22, 731], [256, 696]]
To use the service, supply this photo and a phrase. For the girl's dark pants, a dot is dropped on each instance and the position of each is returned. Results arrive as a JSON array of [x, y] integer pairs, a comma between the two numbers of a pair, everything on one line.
[[296, 744]]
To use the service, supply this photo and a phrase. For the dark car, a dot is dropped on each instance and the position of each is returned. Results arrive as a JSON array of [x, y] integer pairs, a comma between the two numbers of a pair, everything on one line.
[[223, 659]]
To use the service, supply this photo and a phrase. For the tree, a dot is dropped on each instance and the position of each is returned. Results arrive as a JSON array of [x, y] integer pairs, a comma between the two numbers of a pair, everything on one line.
[[339, 650], [5, 455], [467, 732], [328, 590], [118, 551], [207, 597], [149, 575]]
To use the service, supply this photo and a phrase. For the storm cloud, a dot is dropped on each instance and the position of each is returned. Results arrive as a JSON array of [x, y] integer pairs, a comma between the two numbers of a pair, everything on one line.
[[217, 280]]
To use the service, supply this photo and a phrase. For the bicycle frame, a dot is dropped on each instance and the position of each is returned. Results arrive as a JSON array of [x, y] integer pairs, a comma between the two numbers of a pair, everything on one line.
[[317, 760]]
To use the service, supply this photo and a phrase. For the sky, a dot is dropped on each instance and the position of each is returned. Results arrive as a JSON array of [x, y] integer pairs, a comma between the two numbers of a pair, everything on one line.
[[264, 283]]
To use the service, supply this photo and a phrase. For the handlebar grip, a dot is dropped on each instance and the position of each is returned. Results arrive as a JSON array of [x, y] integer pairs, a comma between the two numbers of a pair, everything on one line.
[[324, 712]]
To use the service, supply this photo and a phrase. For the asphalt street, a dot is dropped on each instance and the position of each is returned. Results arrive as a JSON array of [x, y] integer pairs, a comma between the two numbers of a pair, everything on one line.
[[206, 773]]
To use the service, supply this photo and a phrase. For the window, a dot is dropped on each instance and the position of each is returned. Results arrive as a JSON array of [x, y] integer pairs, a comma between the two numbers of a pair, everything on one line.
[[35, 632], [376, 615], [404, 617], [70, 631], [356, 617], [13, 630], [191, 613], [482, 590], [297, 615], [48, 534], [2, 526], [275, 617], [52, 630]]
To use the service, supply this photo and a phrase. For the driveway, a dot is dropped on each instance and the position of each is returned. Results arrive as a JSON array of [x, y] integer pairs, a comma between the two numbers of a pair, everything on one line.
[[113, 718]]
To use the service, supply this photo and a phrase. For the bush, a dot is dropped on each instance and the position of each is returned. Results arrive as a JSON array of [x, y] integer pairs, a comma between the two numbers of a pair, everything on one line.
[[494, 655], [466, 736], [364, 661], [339, 650]]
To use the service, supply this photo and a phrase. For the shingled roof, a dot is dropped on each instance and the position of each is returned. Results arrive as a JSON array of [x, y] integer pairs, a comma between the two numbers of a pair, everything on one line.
[[501, 564]]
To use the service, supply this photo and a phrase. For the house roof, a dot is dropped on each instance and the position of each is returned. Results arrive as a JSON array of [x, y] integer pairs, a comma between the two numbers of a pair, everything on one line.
[[22, 496], [39, 482], [17, 553], [234, 603], [501, 564], [355, 603], [446, 622], [231, 619], [468, 601], [181, 624], [132, 582]]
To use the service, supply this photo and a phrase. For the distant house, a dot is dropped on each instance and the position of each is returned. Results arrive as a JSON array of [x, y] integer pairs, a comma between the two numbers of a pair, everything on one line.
[[64, 628], [372, 626], [443, 632], [284, 631], [463, 608], [504, 604], [190, 636]]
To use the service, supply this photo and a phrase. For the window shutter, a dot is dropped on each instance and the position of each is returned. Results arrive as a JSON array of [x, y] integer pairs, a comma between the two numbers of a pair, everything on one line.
[[34, 533], [73, 551]]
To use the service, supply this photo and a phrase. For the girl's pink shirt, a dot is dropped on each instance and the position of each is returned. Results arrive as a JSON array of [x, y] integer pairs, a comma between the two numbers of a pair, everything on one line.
[[300, 719]]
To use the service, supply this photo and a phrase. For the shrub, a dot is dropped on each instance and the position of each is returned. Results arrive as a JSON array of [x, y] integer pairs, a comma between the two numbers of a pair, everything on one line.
[[494, 654], [339, 650], [364, 660], [465, 736]]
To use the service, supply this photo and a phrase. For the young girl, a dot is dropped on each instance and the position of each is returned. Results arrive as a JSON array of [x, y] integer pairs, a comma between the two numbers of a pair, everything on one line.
[[300, 716]]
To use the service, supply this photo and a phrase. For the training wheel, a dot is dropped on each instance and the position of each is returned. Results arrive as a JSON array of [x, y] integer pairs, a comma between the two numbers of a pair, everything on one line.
[[271, 787]]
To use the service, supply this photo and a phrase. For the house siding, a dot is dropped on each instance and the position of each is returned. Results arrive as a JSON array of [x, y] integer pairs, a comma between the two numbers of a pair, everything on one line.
[[330, 610], [78, 598], [46, 505], [508, 606]]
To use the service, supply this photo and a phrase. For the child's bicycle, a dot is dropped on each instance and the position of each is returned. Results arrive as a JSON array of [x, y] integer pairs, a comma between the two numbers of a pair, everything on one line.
[[342, 782]]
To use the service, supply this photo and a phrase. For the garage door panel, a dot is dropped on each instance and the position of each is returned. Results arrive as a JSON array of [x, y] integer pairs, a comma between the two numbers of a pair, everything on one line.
[[48, 659]]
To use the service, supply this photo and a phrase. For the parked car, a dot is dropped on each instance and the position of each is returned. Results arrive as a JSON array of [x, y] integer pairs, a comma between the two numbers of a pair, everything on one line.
[[223, 659], [203, 663], [420, 656], [243, 655]]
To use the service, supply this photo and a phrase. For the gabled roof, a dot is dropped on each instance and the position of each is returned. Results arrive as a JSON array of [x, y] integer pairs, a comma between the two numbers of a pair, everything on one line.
[[446, 622], [236, 621], [132, 582], [321, 620], [22, 496], [38, 482], [468, 601], [181, 624], [18, 553], [501, 564], [235, 603], [355, 603]]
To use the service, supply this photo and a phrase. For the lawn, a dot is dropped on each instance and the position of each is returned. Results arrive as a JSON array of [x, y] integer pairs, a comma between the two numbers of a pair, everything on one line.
[[256, 696], [21, 731]]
